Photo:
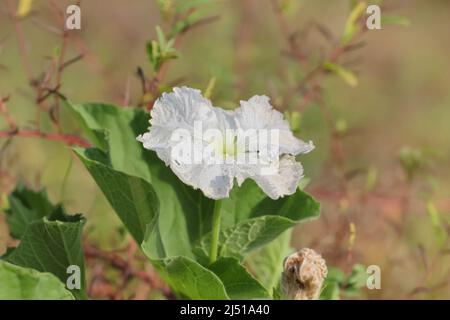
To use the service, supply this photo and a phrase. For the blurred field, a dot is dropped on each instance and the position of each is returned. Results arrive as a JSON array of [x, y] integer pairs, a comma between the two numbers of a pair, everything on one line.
[[402, 100]]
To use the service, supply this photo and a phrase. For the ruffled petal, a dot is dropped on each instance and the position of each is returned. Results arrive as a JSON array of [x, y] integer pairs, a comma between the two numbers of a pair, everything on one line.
[[215, 181], [179, 110], [257, 113], [179, 121], [277, 180], [178, 140]]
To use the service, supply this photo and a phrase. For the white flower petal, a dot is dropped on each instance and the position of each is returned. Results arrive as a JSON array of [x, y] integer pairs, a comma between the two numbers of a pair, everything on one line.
[[280, 183], [179, 112], [215, 181], [181, 109], [257, 113], [185, 108]]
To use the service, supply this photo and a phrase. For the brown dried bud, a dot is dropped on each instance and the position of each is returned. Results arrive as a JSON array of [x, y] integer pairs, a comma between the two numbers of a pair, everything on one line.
[[303, 275]]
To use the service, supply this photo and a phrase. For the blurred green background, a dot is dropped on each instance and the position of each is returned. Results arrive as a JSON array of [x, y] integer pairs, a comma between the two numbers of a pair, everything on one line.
[[398, 114]]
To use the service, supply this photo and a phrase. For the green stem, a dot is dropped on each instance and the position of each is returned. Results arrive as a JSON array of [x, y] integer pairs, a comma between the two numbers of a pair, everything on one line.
[[215, 231]]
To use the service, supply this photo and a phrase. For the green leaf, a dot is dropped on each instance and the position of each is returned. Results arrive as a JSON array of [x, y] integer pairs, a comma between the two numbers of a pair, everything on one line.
[[24, 8], [295, 120], [330, 291], [351, 26], [133, 199], [331, 286], [161, 37], [371, 178], [358, 277], [114, 130], [239, 284], [185, 276], [257, 220], [190, 279], [210, 87], [412, 160], [267, 263], [440, 232], [395, 20], [18, 283], [26, 206], [183, 6], [346, 75], [52, 244], [153, 54], [161, 50], [337, 283]]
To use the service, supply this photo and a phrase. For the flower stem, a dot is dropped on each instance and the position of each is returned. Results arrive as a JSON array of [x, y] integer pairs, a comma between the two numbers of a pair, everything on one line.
[[215, 231]]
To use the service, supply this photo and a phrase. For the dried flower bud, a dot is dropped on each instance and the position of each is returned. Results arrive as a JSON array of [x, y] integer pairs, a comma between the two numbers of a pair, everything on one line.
[[303, 275]]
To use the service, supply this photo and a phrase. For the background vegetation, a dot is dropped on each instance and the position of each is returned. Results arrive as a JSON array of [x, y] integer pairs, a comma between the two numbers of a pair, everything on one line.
[[375, 103]]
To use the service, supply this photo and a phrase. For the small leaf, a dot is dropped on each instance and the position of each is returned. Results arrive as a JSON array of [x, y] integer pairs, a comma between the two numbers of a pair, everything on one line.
[[295, 120], [18, 283], [346, 75], [330, 291], [411, 160], [161, 38], [210, 87], [371, 178], [24, 8], [161, 50], [351, 24], [331, 286], [239, 284], [358, 277], [341, 126], [166, 7], [395, 20], [439, 229], [352, 235], [183, 6]]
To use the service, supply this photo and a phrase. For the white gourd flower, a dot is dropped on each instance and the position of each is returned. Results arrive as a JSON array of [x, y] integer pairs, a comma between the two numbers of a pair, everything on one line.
[[221, 150]]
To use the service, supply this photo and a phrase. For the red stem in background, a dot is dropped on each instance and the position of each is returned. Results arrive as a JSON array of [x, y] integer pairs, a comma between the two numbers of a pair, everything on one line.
[[68, 139]]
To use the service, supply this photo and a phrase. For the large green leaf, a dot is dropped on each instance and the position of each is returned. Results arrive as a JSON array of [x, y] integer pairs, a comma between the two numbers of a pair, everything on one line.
[[267, 263], [52, 244], [26, 206], [189, 279], [19, 283], [238, 283], [115, 130], [133, 199], [259, 221], [249, 201], [186, 212], [186, 277]]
